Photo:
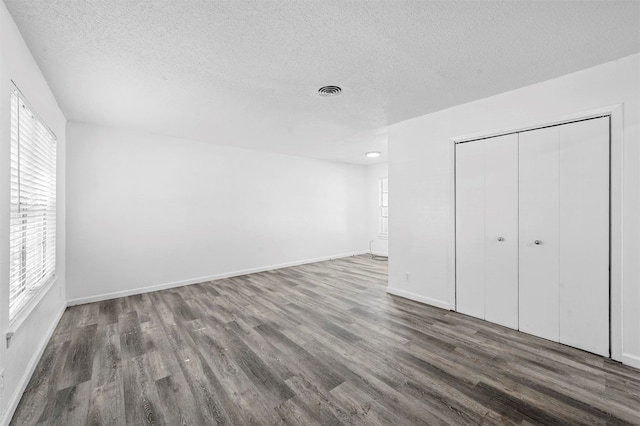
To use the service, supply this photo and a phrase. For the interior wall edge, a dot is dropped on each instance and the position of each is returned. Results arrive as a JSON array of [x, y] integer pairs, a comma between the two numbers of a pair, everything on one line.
[[181, 283]]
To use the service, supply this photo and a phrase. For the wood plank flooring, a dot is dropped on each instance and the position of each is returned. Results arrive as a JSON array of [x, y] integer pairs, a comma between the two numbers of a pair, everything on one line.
[[319, 344]]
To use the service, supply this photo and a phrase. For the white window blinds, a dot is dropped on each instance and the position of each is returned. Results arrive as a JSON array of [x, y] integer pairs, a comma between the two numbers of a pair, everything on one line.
[[32, 235]]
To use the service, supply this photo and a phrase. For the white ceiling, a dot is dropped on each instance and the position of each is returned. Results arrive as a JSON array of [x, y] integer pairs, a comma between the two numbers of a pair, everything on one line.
[[245, 72]]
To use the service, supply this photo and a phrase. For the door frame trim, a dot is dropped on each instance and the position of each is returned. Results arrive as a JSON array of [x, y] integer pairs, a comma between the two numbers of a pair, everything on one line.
[[616, 113]]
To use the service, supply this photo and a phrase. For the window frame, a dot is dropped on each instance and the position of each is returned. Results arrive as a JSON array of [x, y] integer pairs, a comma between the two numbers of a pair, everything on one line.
[[383, 207], [35, 252]]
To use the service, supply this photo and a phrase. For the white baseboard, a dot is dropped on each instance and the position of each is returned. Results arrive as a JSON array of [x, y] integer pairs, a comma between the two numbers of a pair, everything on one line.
[[418, 298], [31, 367], [174, 284], [631, 360]]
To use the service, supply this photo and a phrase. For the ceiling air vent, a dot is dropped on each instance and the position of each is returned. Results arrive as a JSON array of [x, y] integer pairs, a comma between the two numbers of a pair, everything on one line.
[[329, 91]]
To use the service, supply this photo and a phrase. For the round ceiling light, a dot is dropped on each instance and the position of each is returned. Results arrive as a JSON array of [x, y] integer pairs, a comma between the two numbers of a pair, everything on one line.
[[373, 154], [329, 91]]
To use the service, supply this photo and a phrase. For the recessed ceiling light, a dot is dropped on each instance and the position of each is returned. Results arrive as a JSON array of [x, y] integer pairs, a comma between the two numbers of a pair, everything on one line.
[[373, 154], [329, 91]]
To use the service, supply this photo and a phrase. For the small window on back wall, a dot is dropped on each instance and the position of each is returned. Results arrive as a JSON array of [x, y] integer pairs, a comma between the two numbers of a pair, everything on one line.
[[383, 228]]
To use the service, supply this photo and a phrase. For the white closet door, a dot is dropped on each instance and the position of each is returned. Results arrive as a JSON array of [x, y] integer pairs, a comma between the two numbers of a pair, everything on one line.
[[539, 233], [487, 229], [584, 235], [501, 230], [470, 240]]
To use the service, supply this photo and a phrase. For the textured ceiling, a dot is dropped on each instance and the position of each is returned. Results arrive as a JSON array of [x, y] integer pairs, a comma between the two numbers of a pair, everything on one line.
[[245, 72]]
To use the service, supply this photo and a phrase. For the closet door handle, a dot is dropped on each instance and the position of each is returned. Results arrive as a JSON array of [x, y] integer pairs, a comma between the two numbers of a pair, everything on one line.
[[500, 239], [538, 242]]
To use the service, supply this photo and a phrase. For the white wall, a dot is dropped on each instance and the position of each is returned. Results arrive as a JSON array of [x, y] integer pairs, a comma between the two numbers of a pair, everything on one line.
[[420, 168], [32, 334], [146, 210], [375, 172]]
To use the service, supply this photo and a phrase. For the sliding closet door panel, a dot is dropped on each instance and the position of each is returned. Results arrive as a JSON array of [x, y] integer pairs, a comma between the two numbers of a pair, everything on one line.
[[584, 235], [538, 240], [470, 229], [501, 230]]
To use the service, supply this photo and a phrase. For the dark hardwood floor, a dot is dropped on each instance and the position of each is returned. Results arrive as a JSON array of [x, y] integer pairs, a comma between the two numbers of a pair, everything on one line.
[[314, 344]]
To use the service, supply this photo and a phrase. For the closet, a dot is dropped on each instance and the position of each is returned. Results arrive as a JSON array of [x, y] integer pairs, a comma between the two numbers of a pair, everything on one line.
[[532, 232]]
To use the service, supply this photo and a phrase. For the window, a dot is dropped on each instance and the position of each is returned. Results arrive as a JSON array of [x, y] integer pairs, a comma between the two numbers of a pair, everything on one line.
[[383, 229], [32, 234]]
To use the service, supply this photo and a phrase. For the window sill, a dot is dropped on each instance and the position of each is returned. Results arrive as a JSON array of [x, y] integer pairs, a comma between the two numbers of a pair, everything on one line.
[[25, 311]]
